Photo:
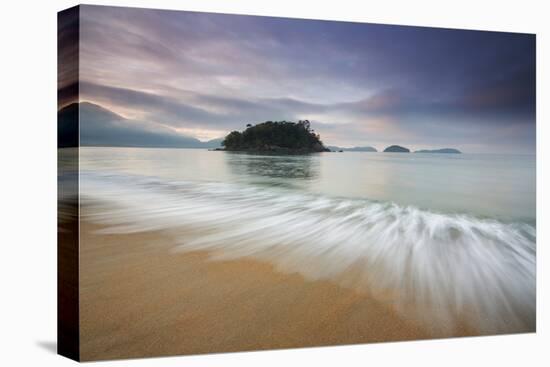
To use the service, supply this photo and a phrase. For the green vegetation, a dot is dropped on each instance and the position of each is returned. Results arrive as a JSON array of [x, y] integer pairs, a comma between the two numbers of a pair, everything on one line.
[[277, 137]]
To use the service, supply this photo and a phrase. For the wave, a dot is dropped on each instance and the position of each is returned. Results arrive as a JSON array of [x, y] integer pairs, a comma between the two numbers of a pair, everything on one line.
[[446, 270]]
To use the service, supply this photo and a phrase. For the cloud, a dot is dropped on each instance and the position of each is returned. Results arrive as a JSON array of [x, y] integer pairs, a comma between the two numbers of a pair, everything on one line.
[[67, 54], [208, 74]]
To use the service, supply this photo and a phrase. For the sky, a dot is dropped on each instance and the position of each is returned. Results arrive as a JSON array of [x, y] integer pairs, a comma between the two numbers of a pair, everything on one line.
[[203, 75]]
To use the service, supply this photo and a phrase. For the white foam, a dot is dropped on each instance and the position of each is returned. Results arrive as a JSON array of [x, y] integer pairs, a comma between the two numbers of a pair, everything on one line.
[[440, 269]]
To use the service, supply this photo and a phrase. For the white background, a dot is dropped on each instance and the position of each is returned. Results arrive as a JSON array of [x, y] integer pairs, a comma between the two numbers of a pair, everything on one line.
[[28, 182]]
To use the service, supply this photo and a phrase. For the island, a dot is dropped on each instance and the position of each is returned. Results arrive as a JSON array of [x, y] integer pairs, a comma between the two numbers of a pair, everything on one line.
[[396, 149], [443, 150], [354, 149], [278, 137]]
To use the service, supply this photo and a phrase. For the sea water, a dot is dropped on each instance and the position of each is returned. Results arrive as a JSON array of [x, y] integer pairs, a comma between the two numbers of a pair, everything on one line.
[[450, 236]]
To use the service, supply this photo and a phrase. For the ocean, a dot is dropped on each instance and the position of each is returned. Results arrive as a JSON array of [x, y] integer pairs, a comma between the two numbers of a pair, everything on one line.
[[452, 237]]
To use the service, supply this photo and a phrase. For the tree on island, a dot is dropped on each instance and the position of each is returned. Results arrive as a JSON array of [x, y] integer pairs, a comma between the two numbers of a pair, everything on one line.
[[276, 136]]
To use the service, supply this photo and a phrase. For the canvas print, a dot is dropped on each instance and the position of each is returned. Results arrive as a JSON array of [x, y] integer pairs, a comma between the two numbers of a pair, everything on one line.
[[234, 183]]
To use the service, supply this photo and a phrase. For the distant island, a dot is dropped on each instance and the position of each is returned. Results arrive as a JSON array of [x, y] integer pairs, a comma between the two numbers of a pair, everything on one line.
[[396, 149], [443, 150], [281, 137], [354, 149]]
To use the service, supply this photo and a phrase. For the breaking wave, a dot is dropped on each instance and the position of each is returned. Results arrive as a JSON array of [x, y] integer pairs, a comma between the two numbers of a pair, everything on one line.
[[446, 270]]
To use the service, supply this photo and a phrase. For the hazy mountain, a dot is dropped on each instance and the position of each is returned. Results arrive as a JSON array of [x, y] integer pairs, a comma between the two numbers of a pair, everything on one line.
[[354, 149], [67, 126], [214, 143], [101, 127], [443, 150]]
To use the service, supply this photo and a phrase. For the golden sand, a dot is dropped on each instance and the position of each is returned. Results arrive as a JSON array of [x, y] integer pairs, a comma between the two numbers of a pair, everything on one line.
[[138, 298]]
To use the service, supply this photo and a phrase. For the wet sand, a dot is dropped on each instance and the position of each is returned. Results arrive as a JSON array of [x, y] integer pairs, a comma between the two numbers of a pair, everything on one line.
[[138, 298]]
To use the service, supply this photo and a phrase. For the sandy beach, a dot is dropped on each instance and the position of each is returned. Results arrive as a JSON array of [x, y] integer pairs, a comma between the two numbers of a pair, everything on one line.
[[139, 298]]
